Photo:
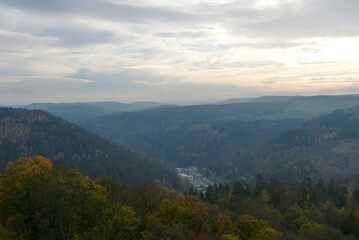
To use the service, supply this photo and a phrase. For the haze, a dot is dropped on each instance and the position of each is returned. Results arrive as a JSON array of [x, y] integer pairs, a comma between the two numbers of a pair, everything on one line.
[[156, 50]]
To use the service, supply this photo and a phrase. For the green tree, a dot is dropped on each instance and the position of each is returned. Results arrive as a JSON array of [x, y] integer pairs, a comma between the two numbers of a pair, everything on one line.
[[261, 184], [311, 230], [350, 225], [39, 201], [22, 202], [119, 222], [248, 227]]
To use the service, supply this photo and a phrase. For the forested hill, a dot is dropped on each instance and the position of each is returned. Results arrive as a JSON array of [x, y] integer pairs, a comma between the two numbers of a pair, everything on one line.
[[327, 146], [203, 136], [34, 132], [211, 135], [272, 138], [341, 124]]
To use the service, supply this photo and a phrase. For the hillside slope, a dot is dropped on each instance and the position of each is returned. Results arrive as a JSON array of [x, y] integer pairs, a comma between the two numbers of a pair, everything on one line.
[[27, 133], [203, 136], [327, 147]]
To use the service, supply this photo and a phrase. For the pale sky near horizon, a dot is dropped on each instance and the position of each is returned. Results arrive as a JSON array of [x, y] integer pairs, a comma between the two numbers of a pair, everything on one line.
[[160, 50]]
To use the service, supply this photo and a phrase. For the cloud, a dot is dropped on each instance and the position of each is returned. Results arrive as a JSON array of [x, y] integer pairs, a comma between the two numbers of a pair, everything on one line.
[[78, 35], [312, 18], [191, 35], [99, 9], [269, 45], [157, 49]]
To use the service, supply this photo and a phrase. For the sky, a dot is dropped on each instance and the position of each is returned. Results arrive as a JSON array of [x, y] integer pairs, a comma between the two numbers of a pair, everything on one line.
[[175, 51]]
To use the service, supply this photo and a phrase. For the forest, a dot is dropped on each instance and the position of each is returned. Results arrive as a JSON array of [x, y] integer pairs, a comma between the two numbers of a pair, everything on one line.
[[323, 147], [245, 139], [40, 200], [300, 181], [33, 132], [204, 136]]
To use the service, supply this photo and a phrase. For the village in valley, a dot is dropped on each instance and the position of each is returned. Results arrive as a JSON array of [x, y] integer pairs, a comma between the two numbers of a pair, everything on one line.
[[196, 177]]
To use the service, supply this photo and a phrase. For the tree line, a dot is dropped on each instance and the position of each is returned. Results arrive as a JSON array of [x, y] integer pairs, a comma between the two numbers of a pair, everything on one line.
[[41, 200]]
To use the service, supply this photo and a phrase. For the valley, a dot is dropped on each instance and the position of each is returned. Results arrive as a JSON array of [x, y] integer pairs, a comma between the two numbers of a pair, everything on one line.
[[179, 120], [286, 165]]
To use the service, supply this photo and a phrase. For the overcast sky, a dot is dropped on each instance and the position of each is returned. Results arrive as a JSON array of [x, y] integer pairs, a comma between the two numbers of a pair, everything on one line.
[[160, 50]]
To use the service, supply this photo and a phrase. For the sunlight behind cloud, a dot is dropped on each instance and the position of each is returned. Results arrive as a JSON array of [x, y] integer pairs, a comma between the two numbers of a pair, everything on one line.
[[263, 4], [253, 48]]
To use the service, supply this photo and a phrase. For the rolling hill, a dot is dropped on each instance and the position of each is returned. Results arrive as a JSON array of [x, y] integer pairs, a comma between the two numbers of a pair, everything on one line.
[[81, 111], [304, 107], [239, 139], [203, 136], [34, 132], [326, 147]]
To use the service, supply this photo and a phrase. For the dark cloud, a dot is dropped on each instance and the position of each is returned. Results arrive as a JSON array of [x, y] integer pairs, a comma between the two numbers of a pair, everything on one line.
[[122, 79], [78, 35], [295, 19], [315, 18], [97, 8]]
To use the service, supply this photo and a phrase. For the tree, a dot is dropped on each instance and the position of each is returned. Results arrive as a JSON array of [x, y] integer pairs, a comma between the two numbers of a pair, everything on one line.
[[77, 203], [311, 230], [248, 227], [210, 194], [170, 212], [120, 222], [224, 223], [350, 225], [260, 185], [39, 201], [240, 190], [22, 195]]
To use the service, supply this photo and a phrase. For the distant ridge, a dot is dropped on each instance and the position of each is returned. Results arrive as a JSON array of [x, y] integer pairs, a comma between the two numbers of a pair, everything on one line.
[[297, 98], [80, 111]]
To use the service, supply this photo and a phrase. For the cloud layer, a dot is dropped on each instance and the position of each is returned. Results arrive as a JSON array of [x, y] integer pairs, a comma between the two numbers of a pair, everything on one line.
[[88, 50]]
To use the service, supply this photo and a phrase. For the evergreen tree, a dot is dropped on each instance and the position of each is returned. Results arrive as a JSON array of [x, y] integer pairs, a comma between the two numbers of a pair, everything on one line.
[[350, 225]]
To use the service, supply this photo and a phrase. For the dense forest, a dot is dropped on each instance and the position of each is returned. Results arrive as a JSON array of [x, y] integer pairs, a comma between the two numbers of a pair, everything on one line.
[[246, 140], [27, 133], [325, 147], [204, 136], [40, 200], [283, 178], [212, 135]]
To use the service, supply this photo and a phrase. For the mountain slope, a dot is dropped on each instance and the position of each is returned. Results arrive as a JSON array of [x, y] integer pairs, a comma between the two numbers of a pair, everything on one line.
[[245, 139], [204, 136], [327, 147], [73, 112], [28, 133]]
